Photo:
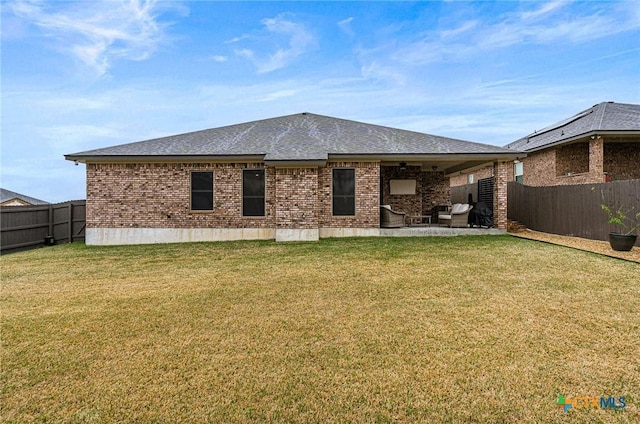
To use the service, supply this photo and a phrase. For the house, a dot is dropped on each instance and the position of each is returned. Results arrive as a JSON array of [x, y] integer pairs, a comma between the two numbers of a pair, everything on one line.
[[11, 198], [597, 145], [296, 177]]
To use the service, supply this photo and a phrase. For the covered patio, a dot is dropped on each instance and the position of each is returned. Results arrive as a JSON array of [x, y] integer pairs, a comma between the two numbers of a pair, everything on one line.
[[420, 189]]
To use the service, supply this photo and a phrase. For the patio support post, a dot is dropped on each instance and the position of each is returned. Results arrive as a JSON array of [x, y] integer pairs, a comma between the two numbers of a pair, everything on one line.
[[596, 159], [500, 172]]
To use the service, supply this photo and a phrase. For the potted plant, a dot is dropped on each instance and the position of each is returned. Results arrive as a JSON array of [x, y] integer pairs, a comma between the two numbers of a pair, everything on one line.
[[627, 222]]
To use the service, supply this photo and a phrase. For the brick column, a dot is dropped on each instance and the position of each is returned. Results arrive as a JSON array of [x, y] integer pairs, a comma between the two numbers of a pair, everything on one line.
[[596, 160], [500, 172]]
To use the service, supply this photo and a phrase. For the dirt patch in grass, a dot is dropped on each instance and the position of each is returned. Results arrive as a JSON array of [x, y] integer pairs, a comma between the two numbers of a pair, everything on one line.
[[461, 329], [595, 246]]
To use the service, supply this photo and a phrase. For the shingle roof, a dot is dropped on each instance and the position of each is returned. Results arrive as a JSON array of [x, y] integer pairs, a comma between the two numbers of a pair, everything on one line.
[[6, 195], [606, 117], [299, 137]]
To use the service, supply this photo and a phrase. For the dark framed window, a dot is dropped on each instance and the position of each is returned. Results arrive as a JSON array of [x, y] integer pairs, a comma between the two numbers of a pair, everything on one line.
[[344, 192], [201, 191], [253, 192]]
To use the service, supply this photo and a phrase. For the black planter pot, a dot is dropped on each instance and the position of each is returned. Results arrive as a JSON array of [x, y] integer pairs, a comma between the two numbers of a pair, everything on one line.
[[622, 242]]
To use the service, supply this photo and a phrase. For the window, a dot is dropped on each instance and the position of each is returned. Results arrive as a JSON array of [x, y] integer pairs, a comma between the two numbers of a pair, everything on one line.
[[344, 192], [253, 192], [518, 172], [201, 191], [470, 178]]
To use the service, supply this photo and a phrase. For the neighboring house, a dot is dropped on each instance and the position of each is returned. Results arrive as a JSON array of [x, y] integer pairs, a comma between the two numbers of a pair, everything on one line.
[[11, 198], [296, 177], [596, 145]]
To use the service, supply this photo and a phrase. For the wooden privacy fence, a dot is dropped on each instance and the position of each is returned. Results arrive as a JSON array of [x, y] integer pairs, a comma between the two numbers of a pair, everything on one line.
[[572, 210], [23, 227]]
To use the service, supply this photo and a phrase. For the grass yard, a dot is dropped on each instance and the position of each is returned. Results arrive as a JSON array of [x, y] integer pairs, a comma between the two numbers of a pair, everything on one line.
[[463, 329]]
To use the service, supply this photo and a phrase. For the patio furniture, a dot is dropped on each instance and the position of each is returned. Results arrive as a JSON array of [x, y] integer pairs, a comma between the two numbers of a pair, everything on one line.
[[390, 218], [457, 217], [419, 220]]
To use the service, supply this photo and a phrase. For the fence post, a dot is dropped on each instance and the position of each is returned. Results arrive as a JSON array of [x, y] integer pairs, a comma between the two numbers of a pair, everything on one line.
[[50, 220], [70, 222]]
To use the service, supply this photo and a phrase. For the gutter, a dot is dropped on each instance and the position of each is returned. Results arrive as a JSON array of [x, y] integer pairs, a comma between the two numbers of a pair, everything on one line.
[[293, 162], [163, 159]]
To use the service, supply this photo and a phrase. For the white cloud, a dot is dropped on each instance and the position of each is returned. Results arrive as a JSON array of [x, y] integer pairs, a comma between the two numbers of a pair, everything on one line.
[[543, 10], [67, 138], [545, 25], [219, 58], [279, 95], [246, 53], [345, 26], [578, 26], [97, 33], [465, 27], [376, 71], [298, 37]]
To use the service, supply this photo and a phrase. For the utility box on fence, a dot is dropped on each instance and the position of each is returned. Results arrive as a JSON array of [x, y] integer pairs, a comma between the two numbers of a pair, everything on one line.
[[49, 241]]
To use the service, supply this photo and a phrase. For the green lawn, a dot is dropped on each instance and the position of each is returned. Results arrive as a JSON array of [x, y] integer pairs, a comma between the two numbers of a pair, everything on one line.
[[462, 329]]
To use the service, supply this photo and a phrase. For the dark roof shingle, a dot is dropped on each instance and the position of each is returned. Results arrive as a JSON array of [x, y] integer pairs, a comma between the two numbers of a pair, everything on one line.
[[303, 136], [603, 117]]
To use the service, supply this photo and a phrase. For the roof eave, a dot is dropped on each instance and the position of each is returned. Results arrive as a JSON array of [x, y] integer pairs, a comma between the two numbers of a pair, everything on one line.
[[284, 162], [162, 158], [430, 156], [581, 136]]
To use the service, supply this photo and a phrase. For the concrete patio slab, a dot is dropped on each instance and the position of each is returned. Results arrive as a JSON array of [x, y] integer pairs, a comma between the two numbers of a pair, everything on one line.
[[438, 231]]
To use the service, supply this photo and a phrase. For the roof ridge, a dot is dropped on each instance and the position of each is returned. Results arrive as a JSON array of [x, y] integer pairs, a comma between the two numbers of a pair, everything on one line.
[[604, 107]]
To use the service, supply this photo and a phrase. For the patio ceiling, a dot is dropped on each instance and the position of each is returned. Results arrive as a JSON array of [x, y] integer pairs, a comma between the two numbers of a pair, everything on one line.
[[450, 166]]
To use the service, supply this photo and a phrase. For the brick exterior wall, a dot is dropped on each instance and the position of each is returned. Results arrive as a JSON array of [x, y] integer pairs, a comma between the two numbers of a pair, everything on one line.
[[539, 167], [592, 161], [157, 195], [367, 196], [435, 191], [478, 174], [297, 197], [151, 195], [622, 160], [432, 189], [572, 159]]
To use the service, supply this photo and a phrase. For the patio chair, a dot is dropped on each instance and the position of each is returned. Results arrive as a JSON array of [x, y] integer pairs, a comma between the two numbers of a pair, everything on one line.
[[390, 218], [457, 217]]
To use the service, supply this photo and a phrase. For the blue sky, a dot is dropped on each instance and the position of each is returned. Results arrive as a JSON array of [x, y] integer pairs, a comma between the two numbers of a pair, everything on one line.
[[82, 75]]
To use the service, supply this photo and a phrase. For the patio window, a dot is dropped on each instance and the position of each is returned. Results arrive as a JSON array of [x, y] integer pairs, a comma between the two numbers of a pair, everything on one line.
[[201, 191], [344, 192], [253, 192]]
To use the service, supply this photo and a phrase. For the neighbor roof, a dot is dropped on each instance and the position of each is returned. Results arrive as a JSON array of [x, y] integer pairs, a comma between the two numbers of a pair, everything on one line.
[[294, 138], [7, 195], [603, 118]]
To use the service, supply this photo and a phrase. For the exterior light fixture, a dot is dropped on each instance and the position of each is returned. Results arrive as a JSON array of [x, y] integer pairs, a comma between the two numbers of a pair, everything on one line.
[[403, 165]]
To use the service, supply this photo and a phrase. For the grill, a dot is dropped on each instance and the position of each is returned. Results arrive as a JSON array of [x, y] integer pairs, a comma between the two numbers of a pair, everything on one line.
[[481, 216]]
